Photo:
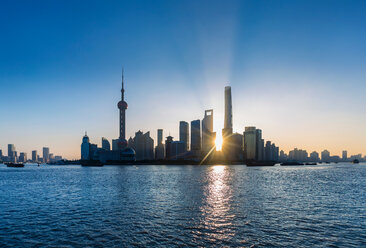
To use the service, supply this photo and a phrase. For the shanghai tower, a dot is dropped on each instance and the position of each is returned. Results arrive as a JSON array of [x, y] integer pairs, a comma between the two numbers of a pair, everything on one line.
[[122, 106], [228, 121]]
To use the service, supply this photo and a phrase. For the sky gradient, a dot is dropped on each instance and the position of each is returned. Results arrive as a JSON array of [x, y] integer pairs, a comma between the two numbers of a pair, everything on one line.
[[297, 70]]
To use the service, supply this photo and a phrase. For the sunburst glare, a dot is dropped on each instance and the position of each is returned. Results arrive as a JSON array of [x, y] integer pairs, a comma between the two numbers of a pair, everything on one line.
[[218, 140]]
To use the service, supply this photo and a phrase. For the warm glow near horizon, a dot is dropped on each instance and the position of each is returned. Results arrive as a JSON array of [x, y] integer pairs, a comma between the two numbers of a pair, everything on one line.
[[218, 140], [218, 143]]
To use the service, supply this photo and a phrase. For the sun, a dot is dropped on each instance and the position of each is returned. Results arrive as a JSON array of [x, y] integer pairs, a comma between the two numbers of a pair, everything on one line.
[[218, 141]]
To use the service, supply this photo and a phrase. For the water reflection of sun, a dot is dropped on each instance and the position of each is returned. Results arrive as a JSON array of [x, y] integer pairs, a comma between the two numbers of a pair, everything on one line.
[[217, 219]]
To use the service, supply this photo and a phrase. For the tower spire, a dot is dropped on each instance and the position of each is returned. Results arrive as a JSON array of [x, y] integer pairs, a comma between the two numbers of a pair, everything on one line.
[[122, 105], [123, 86]]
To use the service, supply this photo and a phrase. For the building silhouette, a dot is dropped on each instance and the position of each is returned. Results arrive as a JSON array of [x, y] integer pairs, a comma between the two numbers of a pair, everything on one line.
[[298, 155], [23, 157], [122, 106], [178, 150], [46, 154], [169, 147], [283, 156], [85, 148], [250, 143], [34, 156], [314, 157], [344, 155], [105, 144], [93, 152], [325, 156], [208, 135], [12, 154], [227, 131], [228, 120], [236, 147], [143, 145], [275, 152], [196, 137], [159, 149], [259, 151], [120, 151], [184, 134]]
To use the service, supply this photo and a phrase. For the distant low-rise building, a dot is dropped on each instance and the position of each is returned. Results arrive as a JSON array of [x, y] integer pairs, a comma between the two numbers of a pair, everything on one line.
[[23, 157], [105, 144], [314, 157], [325, 156], [344, 155]]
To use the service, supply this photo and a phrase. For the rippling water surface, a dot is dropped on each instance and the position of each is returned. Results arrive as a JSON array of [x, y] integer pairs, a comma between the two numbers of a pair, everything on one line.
[[171, 206]]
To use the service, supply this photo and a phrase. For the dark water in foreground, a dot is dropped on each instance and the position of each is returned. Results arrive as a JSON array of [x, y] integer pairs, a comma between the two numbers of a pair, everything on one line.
[[169, 206]]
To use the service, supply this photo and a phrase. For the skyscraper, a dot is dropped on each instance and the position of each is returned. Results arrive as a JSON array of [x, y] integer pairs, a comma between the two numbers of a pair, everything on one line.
[[122, 106], [159, 149], [93, 154], [268, 151], [11, 150], [196, 136], [46, 154], [12, 154], [34, 156], [236, 147], [169, 147], [275, 152], [250, 143], [160, 136], [228, 121], [259, 145], [208, 136], [105, 144], [184, 134], [178, 149], [227, 131], [85, 148], [143, 145]]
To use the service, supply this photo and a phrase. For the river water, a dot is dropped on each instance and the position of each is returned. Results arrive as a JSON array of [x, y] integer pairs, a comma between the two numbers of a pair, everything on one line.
[[174, 206]]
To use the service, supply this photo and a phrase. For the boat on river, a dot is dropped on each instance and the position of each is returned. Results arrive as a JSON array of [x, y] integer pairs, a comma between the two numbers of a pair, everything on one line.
[[15, 165], [95, 163], [260, 163], [291, 163]]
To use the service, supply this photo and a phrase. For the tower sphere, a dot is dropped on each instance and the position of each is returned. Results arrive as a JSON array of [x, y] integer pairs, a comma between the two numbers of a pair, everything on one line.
[[122, 105]]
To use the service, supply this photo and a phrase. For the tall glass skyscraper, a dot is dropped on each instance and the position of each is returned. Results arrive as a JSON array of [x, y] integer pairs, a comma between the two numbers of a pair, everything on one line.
[[196, 135]]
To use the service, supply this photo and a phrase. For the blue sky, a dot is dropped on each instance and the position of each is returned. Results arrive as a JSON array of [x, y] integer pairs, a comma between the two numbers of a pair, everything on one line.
[[297, 70]]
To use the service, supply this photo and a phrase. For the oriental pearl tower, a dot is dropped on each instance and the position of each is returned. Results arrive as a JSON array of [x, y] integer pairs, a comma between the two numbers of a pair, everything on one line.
[[122, 106]]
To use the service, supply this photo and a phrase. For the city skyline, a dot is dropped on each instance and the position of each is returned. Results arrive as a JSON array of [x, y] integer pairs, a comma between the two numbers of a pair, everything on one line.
[[250, 144], [293, 79]]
